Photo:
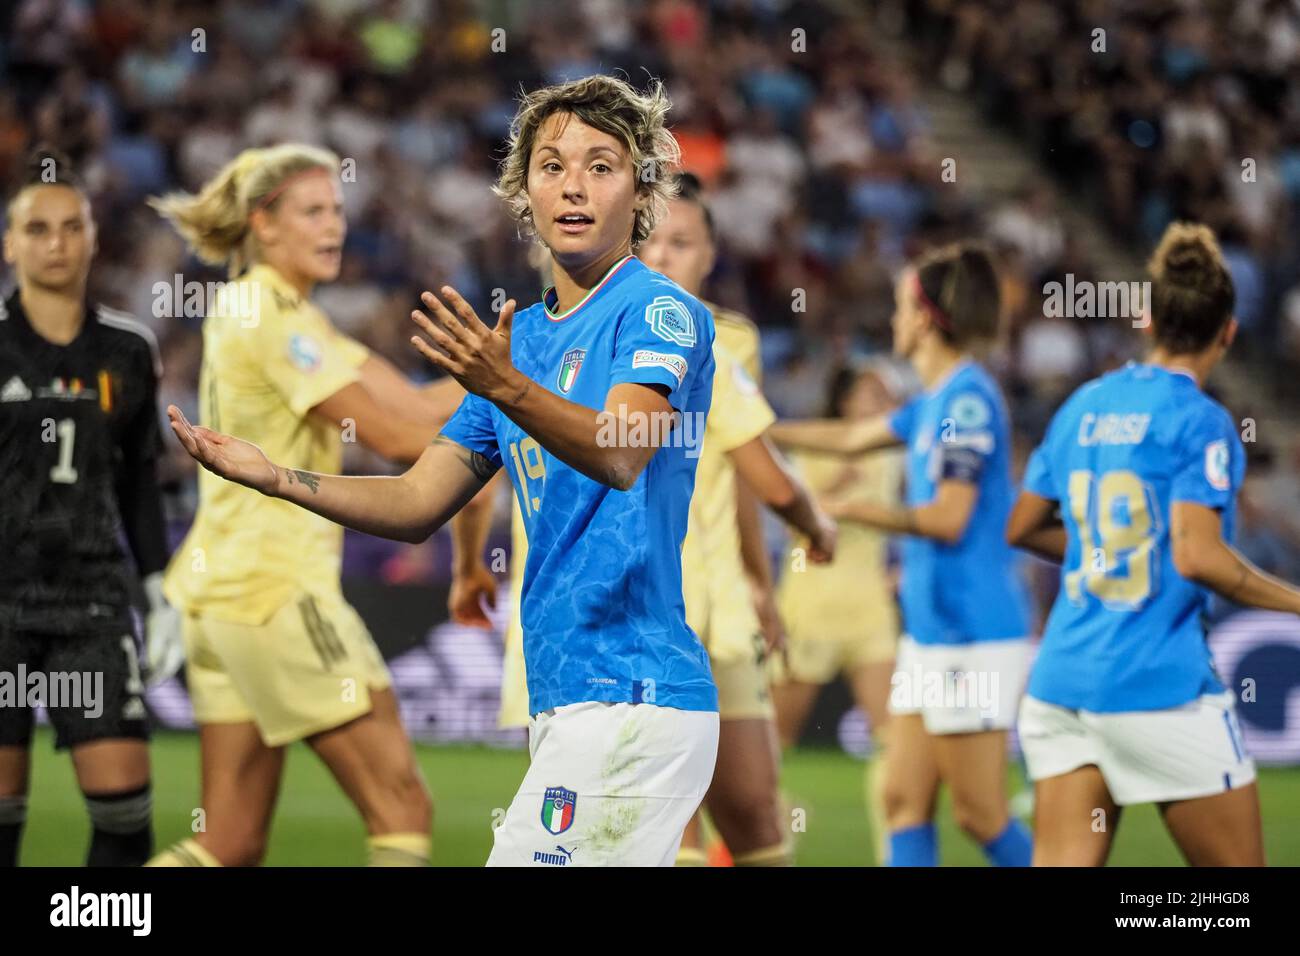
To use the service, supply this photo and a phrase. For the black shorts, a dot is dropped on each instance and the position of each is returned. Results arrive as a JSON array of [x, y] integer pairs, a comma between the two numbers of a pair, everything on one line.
[[90, 685]]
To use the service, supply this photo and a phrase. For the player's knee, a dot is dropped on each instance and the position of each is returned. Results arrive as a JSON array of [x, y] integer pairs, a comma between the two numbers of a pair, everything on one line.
[[1074, 854], [903, 805], [404, 801], [251, 850], [239, 845], [744, 795], [748, 817], [979, 819], [1225, 852], [416, 796], [239, 849]]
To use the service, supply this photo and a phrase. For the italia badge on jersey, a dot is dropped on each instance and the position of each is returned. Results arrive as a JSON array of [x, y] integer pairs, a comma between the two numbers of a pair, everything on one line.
[[569, 369], [558, 805]]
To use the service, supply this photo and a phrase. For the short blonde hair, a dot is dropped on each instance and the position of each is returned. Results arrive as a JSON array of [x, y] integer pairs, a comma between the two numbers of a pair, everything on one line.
[[214, 223], [612, 106]]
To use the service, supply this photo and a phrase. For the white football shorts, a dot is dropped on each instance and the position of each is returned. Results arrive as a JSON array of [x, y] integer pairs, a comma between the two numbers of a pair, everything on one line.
[[609, 785], [960, 688], [1145, 756]]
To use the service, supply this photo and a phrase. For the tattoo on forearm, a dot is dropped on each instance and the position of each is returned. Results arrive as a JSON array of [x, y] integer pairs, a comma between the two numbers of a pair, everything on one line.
[[482, 468], [522, 393], [304, 478]]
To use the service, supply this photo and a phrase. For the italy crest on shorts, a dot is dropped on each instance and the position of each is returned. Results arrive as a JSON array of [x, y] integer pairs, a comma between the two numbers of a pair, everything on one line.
[[558, 806], [569, 369]]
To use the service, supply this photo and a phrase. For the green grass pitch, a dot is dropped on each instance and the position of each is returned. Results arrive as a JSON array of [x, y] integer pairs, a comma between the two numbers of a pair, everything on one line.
[[316, 826]]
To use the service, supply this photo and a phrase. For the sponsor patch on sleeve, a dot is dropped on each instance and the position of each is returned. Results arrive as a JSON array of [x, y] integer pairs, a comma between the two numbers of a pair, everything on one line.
[[644, 358], [970, 410], [304, 352], [1216, 465], [671, 321]]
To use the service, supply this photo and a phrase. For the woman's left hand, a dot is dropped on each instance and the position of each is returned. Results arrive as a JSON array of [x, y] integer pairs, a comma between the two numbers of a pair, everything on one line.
[[474, 355]]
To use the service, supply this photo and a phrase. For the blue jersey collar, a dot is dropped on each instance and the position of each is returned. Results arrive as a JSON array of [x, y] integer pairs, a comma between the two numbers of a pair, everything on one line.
[[549, 298], [948, 377], [1166, 369]]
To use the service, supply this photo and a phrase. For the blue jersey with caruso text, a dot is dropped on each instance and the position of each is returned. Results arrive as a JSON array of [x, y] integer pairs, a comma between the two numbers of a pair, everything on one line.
[[967, 591], [1126, 631], [602, 609]]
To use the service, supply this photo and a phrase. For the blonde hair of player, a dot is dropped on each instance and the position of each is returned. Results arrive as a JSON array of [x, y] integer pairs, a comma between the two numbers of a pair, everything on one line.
[[215, 222], [612, 106]]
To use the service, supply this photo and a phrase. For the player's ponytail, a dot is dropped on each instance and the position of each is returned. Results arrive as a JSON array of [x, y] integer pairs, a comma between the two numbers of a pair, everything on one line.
[[958, 286], [1191, 292], [215, 222]]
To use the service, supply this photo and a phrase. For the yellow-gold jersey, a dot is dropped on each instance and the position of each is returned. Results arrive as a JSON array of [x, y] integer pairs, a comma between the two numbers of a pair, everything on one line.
[[740, 337], [849, 599], [719, 602], [514, 676], [267, 361]]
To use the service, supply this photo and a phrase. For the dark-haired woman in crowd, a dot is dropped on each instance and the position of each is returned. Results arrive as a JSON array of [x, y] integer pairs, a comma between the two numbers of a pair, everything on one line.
[[962, 660], [1124, 705]]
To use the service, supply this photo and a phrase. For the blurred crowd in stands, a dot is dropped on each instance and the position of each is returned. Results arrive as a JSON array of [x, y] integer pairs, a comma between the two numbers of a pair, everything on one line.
[[805, 127], [1150, 111], [1155, 110]]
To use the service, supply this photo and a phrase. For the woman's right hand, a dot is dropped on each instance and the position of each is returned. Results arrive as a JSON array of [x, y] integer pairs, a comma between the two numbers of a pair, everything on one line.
[[469, 589], [231, 458]]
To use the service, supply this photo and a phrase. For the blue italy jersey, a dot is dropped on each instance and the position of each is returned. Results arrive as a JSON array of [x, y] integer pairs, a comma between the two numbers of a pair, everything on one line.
[[602, 610], [968, 591], [1125, 632]]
